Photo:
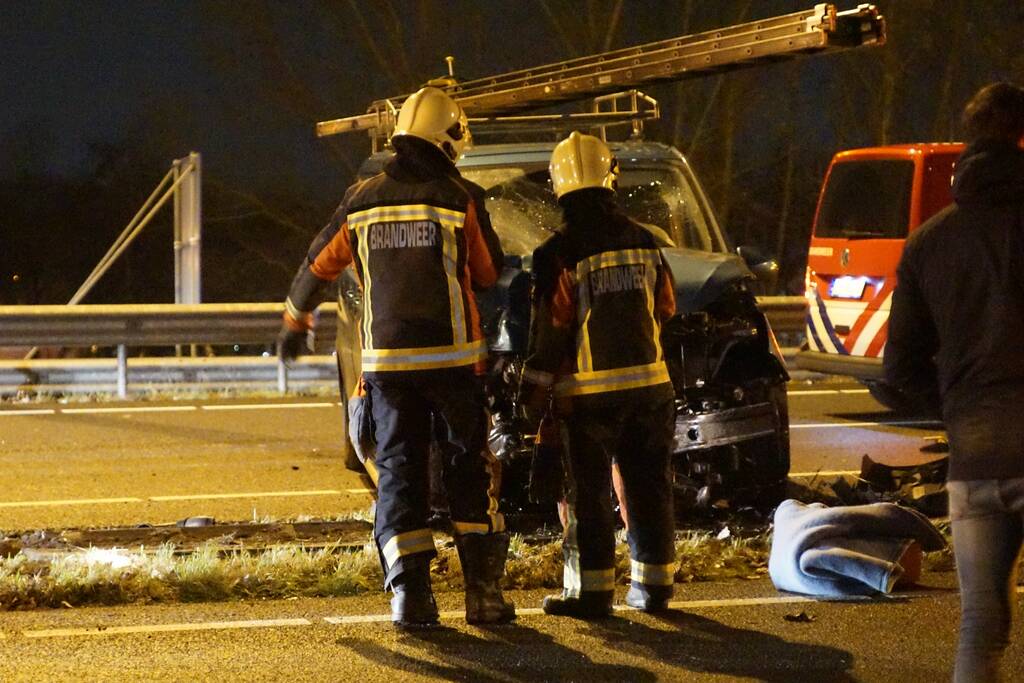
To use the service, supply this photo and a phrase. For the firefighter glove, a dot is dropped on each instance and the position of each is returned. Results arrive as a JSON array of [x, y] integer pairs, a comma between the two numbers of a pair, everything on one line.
[[291, 343]]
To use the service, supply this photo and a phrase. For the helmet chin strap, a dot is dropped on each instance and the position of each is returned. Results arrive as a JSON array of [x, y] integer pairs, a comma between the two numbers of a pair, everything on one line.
[[449, 150]]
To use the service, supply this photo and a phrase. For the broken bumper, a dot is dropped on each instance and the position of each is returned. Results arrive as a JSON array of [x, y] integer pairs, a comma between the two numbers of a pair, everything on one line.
[[725, 427]]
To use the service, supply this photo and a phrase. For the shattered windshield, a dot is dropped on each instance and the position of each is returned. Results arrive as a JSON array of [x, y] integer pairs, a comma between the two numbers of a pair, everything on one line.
[[524, 211]]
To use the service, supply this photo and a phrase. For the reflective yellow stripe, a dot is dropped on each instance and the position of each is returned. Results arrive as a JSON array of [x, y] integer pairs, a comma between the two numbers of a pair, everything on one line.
[[597, 579], [462, 528], [364, 257], [296, 314], [616, 379], [622, 257], [652, 574], [406, 212], [408, 543], [425, 358], [450, 250]]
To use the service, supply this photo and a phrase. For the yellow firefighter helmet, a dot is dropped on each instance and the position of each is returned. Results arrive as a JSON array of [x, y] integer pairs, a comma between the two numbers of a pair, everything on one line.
[[431, 115], [581, 161]]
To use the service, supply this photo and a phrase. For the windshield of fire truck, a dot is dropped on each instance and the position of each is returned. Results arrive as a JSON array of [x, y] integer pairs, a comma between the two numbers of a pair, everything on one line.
[[524, 211]]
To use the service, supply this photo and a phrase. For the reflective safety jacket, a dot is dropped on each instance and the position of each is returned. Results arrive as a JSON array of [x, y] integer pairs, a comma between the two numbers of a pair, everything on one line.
[[601, 293], [420, 240]]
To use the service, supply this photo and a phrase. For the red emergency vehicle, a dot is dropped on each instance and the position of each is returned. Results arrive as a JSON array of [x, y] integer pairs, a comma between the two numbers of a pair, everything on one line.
[[872, 199]]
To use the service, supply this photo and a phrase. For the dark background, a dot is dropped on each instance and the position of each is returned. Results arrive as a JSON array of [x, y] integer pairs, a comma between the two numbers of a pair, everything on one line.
[[100, 96]]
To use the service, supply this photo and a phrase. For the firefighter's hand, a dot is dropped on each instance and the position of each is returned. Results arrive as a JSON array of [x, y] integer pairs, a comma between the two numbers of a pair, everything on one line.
[[291, 343]]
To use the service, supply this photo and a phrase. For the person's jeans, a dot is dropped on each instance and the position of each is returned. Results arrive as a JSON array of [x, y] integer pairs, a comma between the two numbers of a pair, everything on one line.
[[988, 527]]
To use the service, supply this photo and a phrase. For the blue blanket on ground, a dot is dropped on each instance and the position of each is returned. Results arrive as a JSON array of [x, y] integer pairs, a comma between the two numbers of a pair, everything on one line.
[[844, 551]]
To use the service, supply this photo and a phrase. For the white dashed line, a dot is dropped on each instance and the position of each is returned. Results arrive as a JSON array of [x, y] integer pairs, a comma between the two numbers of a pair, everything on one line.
[[267, 406], [813, 392], [445, 616], [855, 425], [358, 490], [73, 501], [132, 409], [158, 628], [36, 411], [258, 494]]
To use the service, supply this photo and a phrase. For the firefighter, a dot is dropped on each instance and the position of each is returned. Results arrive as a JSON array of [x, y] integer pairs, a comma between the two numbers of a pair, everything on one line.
[[421, 241], [601, 292]]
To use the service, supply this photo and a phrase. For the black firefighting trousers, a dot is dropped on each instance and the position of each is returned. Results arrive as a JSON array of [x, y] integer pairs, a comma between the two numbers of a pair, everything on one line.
[[402, 405], [639, 437]]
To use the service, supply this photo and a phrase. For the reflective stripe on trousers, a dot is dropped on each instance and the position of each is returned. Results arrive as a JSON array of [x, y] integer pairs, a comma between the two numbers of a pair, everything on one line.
[[407, 543], [652, 574]]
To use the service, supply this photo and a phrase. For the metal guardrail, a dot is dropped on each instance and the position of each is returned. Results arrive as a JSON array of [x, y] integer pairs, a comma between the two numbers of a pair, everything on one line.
[[147, 325]]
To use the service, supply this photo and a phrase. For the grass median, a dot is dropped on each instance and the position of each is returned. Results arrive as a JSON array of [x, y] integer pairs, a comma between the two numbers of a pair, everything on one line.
[[111, 577]]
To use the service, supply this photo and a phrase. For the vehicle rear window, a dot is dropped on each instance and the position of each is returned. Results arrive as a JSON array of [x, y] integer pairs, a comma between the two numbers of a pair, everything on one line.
[[866, 199]]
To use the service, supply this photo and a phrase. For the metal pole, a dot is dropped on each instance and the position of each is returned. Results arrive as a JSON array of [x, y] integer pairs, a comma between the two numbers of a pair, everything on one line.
[[122, 371], [282, 377], [188, 228]]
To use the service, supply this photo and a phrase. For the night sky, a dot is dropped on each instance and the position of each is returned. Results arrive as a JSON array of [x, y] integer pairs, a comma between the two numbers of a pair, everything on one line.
[[103, 94]]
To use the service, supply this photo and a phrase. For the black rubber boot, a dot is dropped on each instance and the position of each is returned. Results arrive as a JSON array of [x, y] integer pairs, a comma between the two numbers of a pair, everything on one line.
[[483, 565], [412, 604], [589, 605], [648, 598]]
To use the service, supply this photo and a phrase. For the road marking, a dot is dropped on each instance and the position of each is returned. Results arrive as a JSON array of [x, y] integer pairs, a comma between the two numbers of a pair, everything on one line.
[[854, 391], [159, 499], [132, 409], [158, 628], [825, 473], [34, 411], [260, 494], [813, 392], [853, 425], [267, 406], [447, 616], [73, 501]]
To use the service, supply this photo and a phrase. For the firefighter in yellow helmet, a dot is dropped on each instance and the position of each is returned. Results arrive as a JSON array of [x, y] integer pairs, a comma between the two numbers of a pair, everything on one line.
[[420, 241], [601, 292]]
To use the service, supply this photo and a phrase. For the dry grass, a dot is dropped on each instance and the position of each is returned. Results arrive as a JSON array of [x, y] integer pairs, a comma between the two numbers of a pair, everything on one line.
[[105, 577]]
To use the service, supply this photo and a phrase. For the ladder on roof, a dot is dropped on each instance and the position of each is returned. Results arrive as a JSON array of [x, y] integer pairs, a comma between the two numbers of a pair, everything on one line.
[[820, 29]]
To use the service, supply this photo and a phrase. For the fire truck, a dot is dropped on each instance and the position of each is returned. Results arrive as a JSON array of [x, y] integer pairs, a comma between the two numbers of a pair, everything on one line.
[[870, 202], [732, 427]]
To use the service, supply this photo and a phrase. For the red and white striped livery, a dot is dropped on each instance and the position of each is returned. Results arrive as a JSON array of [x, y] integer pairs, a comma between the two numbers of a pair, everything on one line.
[[871, 201]]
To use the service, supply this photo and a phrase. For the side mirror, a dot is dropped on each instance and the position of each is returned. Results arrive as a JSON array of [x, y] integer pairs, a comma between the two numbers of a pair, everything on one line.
[[766, 270]]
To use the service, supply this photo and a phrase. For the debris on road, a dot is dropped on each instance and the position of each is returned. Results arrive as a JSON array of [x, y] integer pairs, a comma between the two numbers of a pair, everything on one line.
[[800, 617]]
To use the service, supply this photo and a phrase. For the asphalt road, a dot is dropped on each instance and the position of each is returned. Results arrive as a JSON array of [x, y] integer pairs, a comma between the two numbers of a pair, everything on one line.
[[717, 632], [114, 464]]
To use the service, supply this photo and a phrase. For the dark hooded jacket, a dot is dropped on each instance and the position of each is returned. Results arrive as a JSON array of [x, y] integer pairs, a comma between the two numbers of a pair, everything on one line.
[[956, 330]]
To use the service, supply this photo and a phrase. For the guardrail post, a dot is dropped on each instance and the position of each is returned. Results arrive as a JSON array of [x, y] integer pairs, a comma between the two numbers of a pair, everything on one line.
[[282, 376], [122, 371]]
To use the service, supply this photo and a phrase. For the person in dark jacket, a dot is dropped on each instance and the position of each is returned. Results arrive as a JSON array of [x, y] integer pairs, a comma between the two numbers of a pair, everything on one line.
[[956, 346], [421, 241], [601, 293]]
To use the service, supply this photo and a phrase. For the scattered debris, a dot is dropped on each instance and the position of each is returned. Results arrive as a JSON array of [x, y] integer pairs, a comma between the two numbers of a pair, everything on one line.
[[197, 521], [800, 617]]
